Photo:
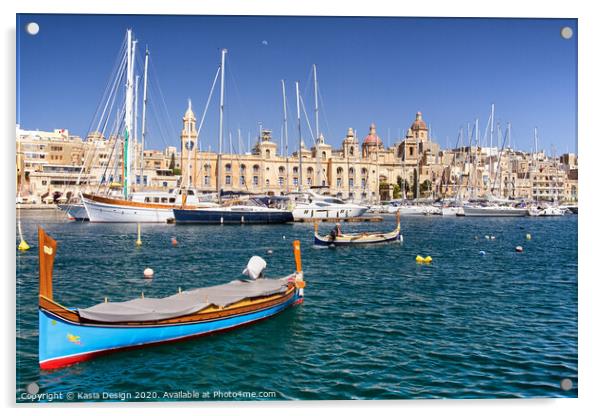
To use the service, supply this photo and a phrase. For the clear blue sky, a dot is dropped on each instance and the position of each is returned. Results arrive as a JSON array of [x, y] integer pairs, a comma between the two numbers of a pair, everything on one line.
[[378, 70]]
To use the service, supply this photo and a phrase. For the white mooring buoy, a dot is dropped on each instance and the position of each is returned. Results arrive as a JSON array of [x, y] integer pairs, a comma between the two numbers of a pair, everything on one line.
[[148, 273]]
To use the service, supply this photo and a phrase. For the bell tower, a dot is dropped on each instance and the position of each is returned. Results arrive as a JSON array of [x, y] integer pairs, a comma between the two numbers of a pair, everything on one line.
[[188, 154]]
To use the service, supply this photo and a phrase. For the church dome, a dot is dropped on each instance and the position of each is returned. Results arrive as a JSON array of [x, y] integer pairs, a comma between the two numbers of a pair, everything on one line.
[[372, 138], [419, 123]]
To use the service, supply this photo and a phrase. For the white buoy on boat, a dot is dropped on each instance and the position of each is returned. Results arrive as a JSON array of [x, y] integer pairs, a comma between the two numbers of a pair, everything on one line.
[[148, 273]]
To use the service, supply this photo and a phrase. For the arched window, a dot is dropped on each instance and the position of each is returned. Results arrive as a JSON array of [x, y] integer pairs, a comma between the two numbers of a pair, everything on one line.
[[364, 171], [295, 170], [267, 153], [351, 150], [351, 171], [281, 170], [323, 155], [255, 168], [243, 168], [228, 167], [339, 171], [207, 167]]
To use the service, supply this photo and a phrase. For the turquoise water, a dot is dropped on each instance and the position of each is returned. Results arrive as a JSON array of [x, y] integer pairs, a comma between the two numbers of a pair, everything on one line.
[[374, 324]]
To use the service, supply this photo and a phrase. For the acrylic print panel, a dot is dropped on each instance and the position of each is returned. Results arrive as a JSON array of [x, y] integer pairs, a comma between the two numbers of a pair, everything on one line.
[[434, 161]]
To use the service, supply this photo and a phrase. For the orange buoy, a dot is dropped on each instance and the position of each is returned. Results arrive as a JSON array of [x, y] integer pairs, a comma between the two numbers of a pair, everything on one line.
[[174, 241]]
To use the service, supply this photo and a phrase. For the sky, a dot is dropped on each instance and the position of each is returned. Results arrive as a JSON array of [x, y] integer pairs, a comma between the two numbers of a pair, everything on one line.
[[370, 69]]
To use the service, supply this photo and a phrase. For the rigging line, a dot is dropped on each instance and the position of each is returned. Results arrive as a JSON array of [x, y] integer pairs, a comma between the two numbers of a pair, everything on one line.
[[116, 75], [324, 110], [307, 120], [156, 78], [209, 98], [104, 173], [238, 96]]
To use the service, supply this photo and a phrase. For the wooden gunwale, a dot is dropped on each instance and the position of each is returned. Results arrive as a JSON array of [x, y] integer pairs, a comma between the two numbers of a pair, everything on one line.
[[211, 312], [125, 203]]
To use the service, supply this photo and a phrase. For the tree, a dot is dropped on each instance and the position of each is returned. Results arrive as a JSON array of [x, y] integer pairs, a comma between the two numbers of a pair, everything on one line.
[[425, 187], [172, 163]]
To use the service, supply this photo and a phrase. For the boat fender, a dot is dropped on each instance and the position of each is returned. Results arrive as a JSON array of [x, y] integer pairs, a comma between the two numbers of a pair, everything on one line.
[[255, 267]]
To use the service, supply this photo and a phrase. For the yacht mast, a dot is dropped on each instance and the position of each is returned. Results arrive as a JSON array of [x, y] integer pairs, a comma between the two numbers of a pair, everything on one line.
[[221, 124], [318, 139], [189, 145], [135, 146], [300, 185], [129, 98], [143, 118], [285, 132]]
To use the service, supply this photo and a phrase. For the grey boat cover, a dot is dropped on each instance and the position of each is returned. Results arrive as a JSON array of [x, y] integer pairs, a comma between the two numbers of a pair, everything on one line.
[[184, 303]]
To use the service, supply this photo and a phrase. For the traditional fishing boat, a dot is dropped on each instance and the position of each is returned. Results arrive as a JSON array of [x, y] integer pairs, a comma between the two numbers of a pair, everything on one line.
[[358, 238], [71, 335]]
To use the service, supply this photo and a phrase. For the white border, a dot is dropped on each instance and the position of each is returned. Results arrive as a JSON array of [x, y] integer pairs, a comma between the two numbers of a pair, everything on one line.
[[589, 225]]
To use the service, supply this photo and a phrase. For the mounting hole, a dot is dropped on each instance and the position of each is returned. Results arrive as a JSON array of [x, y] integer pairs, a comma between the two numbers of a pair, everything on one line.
[[32, 28], [566, 384], [32, 388], [566, 32]]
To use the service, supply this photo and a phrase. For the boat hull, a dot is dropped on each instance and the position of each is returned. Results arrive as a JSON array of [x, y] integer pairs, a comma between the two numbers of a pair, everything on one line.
[[494, 212], [62, 342], [303, 213], [100, 211], [209, 216], [76, 212]]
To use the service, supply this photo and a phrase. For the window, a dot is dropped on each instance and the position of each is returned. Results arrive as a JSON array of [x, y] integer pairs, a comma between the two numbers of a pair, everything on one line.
[[295, 181], [228, 180], [339, 171], [242, 169], [281, 170], [280, 181], [242, 180], [339, 181], [267, 182], [228, 167], [44, 182], [295, 170], [351, 171], [309, 181], [364, 171], [267, 153], [255, 180], [351, 182], [206, 180], [255, 168], [363, 183], [323, 155], [351, 151]]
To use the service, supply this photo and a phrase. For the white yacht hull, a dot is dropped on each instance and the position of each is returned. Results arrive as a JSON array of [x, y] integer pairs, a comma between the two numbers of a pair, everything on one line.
[[106, 212], [452, 211], [307, 212], [408, 210]]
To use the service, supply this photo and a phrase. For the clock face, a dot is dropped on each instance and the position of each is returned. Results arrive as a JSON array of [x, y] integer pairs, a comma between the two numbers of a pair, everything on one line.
[[189, 145]]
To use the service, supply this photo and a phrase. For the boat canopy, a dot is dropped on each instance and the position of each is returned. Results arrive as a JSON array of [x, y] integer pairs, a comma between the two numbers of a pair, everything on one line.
[[184, 303]]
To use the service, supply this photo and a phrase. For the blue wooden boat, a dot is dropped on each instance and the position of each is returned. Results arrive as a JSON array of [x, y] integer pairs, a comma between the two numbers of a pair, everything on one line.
[[358, 238], [71, 335]]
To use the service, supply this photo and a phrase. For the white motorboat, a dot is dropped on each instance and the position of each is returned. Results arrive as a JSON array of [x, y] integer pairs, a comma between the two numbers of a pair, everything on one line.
[[308, 205], [547, 212], [414, 209]]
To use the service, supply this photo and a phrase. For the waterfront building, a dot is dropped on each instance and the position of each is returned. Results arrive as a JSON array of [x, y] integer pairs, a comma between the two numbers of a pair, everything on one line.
[[52, 166]]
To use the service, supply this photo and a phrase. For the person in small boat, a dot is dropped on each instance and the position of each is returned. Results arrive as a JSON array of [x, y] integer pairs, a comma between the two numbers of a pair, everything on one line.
[[336, 231]]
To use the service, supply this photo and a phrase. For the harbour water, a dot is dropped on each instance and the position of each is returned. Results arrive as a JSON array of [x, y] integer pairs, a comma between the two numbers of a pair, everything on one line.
[[374, 324]]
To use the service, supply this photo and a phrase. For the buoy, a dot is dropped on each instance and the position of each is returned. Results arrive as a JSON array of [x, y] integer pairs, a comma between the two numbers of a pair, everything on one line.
[[420, 259], [139, 240], [148, 273], [23, 246], [284, 237], [519, 249], [482, 253], [486, 237], [174, 242], [493, 237], [476, 237], [528, 236], [270, 251]]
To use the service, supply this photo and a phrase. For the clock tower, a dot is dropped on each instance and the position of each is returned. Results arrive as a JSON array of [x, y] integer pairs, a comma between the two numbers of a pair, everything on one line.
[[188, 154]]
